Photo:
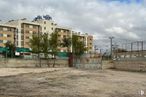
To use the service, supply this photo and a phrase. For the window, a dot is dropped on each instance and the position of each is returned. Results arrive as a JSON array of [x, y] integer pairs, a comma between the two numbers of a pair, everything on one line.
[[1, 28], [27, 32], [27, 43], [1, 41], [8, 35], [52, 28], [34, 27], [27, 37], [44, 28], [51, 23], [22, 43], [5, 35], [5, 29], [34, 32], [5, 41], [22, 37], [44, 22], [22, 31], [64, 36], [1, 35], [30, 26], [30, 32], [27, 26]]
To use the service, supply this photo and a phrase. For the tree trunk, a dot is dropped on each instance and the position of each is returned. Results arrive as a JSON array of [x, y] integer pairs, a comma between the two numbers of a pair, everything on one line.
[[54, 61], [48, 62], [39, 60]]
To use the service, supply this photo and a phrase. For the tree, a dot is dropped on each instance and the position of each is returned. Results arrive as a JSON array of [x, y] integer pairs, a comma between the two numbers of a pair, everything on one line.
[[45, 46], [78, 46], [11, 47], [35, 44], [53, 42], [66, 43]]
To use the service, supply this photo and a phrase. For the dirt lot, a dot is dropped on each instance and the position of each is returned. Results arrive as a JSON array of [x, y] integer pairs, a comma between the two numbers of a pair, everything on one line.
[[69, 82]]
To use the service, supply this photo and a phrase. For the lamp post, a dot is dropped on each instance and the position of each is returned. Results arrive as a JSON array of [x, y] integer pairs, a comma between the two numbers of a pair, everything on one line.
[[111, 45]]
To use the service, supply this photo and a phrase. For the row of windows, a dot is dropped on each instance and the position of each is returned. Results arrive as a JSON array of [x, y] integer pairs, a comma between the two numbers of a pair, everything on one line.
[[4, 41], [30, 26], [27, 32], [7, 29], [51, 23], [46, 28], [22, 43], [5, 35]]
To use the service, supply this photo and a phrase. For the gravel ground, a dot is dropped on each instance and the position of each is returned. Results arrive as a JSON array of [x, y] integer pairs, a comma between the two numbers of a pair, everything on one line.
[[69, 82]]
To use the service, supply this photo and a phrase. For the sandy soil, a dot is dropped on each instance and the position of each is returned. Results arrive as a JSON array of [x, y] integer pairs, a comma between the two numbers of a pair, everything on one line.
[[69, 82]]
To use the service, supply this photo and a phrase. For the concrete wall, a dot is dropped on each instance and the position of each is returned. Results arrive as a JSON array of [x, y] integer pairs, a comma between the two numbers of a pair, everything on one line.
[[107, 64], [130, 65], [22, 63], [88, 63]]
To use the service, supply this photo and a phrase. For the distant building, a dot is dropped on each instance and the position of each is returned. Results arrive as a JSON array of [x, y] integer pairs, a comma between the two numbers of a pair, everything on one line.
[[7, 33], [25, 31], [63, 33], [87, 39], [47, 25], [20, 32]]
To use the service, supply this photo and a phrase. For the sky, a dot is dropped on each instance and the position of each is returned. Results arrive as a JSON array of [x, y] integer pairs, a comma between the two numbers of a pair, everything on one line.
[[123, 19]]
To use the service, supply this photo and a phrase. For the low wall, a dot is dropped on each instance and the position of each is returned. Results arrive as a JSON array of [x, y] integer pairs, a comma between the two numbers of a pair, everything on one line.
[[88, 66], [107, 64], [87, 62], [130, 65], [23, 63]]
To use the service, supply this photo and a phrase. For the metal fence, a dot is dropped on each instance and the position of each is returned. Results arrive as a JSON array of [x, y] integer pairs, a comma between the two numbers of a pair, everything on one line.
[[88, 61]]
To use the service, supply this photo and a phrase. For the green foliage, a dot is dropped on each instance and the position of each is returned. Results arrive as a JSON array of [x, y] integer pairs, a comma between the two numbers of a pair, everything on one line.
[[78, 46], [45, 45], [35, 43], [11, 48], [53, 41], [66, 43]]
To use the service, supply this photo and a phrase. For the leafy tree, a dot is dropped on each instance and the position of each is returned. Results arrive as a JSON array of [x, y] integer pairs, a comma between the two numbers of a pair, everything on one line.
[[53, 41], [45, 46], [78, 46], [11, 47], [35, 44], [66, 43]]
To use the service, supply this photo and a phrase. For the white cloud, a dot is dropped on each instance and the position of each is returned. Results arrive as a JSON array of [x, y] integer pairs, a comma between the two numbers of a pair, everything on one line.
[[96, 17]]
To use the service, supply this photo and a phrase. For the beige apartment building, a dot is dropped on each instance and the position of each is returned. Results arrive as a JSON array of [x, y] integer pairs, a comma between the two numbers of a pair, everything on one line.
[[63, 33], [87, 39], [25, 31], [7, 33]]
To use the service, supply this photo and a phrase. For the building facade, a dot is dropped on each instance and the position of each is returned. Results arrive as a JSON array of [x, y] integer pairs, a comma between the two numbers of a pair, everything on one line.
[[47, 26], [20, 32], [86, 39], [63, 33], [7, 34], [25, 31]]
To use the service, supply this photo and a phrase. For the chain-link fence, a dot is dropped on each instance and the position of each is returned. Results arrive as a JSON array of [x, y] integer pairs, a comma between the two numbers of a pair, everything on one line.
[[88, 61]]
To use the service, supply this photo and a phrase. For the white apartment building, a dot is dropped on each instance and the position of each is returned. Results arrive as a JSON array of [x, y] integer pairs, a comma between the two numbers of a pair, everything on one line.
[[47, 26]]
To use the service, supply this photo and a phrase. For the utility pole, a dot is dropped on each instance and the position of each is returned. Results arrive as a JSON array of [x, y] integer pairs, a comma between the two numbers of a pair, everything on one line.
[[111, 45]]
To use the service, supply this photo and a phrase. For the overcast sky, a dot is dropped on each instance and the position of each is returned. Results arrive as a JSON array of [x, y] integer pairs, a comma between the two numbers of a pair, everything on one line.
[[123, 19]]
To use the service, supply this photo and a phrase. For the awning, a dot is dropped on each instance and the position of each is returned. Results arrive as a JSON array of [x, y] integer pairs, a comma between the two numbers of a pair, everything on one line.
[[23, 50], [3, 49]]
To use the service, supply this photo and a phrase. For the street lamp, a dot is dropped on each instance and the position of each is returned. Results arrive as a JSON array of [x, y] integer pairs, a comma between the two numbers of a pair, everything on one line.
[[111, 45]]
